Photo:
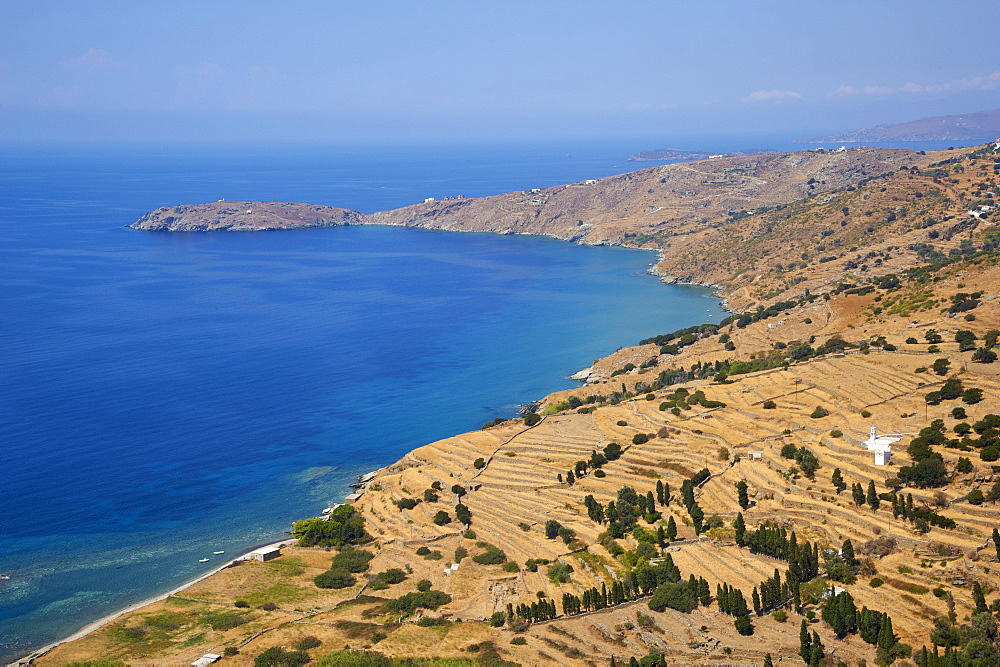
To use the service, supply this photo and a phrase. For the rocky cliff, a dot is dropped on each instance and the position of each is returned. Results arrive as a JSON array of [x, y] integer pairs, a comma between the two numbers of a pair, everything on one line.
[[243, 216]]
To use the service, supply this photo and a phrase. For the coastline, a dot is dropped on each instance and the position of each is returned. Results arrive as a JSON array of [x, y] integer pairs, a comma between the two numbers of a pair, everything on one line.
[[101, 622]]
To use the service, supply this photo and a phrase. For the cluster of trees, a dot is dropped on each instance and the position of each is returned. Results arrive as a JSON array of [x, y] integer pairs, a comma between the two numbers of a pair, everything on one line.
[[344, 526], [682, 399], [861, 496], [808, 463], [687, 498], [811, 648], [777, 542], [953, 389], [554, 529], [611, 452], [643, 580], [623, 514], [342, 568], [542, 610], [732, 602], [922, 518], [928, 470]]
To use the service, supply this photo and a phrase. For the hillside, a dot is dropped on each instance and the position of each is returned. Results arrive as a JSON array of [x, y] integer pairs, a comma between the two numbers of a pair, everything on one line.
[[734, 435], [978, 126]]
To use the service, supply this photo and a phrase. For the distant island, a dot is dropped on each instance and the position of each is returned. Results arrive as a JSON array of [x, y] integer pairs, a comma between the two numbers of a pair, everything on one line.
[[978, 126], [678, 154]]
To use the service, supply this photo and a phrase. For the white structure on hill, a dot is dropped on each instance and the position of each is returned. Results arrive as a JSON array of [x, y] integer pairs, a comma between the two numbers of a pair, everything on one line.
[[881, 445]]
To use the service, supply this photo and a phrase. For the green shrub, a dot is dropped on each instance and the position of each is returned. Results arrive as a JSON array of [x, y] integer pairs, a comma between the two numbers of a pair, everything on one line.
[[876, 582], [640, 439], [224, 620], [819, 412], [519, 641], [413, 601], [769, 405], [442, 518], [352, 560], [492, 556], [424, 585], [531, 419], [836, 433], [407, 503], [337, 578], [866, 414], [307, 643], [479, 463], [511, 566], [279, 656]]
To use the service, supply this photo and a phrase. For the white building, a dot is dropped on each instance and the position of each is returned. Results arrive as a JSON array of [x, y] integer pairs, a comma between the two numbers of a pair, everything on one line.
[[881, 445], [264, 554]]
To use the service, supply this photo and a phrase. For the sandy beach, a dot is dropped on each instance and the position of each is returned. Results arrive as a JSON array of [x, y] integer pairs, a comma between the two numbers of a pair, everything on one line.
[[101, 622]]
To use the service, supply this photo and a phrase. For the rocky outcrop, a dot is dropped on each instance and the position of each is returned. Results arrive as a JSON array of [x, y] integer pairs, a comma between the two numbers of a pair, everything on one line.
[[242, 216]]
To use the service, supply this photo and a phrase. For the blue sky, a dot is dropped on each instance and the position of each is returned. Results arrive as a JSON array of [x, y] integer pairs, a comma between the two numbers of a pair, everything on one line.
[[391, 70]]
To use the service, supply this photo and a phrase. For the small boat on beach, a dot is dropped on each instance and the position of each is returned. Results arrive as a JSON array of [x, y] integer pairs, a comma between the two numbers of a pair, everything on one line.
[[203, 560]]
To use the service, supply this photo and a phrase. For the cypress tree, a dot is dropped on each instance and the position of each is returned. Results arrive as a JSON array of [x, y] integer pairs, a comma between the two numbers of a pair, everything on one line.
[[858, 494], [661, 536], [817, 651], [979, 598], [740, 530], [872, 496], [805, 643], [886, 637], [996, 541], [704, 593], [659, 492], [650, 506], [570, 478], [767, 660], [666, 493], [671, 532], [838, 480], [756, 601], [847, 551], [742, 496]]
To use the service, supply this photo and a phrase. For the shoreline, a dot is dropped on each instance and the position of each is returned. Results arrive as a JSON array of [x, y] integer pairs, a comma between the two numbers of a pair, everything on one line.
[[113, 616], [360, 486]]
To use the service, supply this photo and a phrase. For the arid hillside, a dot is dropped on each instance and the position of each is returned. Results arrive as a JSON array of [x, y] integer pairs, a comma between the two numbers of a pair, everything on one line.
[[707, 496]]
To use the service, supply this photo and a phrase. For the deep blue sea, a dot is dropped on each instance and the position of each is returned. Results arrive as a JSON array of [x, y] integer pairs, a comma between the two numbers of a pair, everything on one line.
[[164, 396]]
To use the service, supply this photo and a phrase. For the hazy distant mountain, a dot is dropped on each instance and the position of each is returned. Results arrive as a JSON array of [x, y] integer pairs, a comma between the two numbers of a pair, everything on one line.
[[978, 126], [678, 155]]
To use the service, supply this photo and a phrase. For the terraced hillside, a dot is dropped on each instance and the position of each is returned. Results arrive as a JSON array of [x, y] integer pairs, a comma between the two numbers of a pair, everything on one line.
[[672, 455]]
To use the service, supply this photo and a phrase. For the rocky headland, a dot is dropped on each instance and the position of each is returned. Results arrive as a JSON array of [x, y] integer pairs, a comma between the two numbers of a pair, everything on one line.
[[244, 216]]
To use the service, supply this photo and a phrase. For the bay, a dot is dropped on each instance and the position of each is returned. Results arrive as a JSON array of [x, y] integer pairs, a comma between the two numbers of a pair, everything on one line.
[[170, 395]]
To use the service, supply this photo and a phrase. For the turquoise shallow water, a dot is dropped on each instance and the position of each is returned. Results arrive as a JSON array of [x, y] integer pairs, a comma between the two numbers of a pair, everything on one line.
[[171, 395]]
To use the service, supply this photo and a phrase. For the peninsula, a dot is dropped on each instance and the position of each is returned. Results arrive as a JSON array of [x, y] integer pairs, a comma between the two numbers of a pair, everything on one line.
[[714, 495]]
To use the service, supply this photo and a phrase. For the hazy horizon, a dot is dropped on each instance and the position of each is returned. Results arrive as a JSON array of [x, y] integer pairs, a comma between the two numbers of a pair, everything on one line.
[[451, 71]]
